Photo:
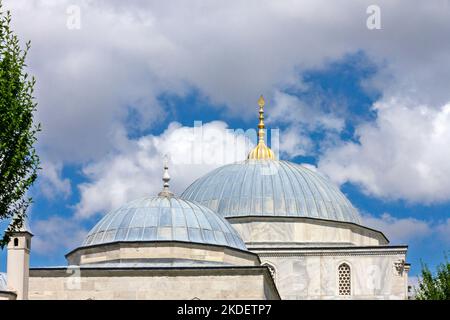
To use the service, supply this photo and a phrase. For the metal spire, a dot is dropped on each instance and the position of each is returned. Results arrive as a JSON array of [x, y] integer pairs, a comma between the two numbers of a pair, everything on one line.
[[261, 151], [166, 178], [261, 125]]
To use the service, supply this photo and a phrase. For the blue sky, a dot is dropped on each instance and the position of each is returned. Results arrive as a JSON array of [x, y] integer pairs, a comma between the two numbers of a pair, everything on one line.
[[368, 108]]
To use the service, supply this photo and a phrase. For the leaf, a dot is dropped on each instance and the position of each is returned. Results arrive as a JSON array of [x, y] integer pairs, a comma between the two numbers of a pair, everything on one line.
[[19, 162]]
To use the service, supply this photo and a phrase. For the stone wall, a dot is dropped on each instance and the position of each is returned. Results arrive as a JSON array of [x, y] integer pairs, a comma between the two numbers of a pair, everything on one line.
[[296, 230], [313, 274], [146, 251], [201, 283]]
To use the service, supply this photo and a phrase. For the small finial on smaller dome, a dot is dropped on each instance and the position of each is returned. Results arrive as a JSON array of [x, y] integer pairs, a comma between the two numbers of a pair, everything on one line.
[[166, 178]]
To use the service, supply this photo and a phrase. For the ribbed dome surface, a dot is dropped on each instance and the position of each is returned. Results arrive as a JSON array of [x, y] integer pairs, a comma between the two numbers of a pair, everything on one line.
[[271, 188], [164, 219]]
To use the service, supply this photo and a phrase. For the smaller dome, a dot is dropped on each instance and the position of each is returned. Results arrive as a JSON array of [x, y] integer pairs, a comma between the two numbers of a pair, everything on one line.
[[164, 218]]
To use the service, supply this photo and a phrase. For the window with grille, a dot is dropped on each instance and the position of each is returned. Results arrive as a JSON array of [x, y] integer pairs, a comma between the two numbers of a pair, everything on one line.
[[344, 280]]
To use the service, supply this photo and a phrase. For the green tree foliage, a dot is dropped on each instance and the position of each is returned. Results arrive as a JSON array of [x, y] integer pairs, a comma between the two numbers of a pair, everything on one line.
[[434, 287], [19, 162]]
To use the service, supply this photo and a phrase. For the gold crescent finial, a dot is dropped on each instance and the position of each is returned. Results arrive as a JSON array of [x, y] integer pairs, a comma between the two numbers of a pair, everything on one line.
[[261, 101], [261, 151]]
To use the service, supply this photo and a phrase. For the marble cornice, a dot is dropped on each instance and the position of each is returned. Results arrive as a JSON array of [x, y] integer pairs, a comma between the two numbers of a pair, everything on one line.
[[369, 251]]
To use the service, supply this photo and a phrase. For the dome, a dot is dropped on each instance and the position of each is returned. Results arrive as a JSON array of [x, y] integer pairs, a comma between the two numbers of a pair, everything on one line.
[[164, 218], [271, 188]]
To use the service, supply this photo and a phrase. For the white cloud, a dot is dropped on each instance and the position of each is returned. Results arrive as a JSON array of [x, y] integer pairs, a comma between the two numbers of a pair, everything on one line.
[[54, 233], [398, 230], [289, 109], [300, 120], [293, 143], [51, 183], [125, 54], [404, 154], [409, 230], [135, 169]]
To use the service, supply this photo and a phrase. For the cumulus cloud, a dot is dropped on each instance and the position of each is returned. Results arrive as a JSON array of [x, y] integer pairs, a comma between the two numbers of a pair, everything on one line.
[[294, 143], [300, 120], [51, 183], [135, 169], [126, 54], [55, 233], [398, 230], [408, 229], [404, 154], [289, 109]]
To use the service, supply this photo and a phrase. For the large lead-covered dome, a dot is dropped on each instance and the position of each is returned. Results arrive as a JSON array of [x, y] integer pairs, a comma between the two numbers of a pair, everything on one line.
[[164, 218], [271, 188]]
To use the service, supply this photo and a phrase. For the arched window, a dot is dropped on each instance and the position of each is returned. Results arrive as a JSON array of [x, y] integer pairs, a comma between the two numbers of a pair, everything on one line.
[[271, 269], [344, 280], [16, 242]]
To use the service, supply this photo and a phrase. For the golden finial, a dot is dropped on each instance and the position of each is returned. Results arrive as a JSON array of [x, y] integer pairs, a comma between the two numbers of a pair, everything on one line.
[[261, 126], [261, 101], [261, 151]]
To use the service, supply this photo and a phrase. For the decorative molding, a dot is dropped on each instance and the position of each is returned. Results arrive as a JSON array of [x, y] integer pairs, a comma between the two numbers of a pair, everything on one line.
[[407, 267], [327, 247], [401, 267], [272, 269], [335, 252]]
